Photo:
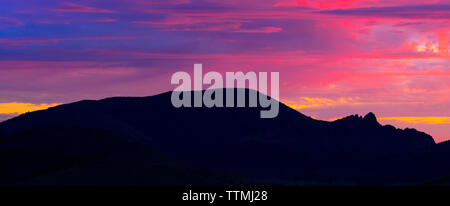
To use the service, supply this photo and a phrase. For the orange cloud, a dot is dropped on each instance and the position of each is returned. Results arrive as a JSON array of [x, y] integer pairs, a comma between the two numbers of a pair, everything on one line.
[[419, 120], [20, 108], [443, 41], [438, 44]]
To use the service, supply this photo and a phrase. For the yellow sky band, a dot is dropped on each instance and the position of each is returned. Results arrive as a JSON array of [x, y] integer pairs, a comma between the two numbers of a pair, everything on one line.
[[20, 108]]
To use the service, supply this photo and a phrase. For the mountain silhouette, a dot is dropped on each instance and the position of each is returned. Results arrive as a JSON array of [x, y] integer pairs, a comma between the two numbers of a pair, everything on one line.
[[147, 141]]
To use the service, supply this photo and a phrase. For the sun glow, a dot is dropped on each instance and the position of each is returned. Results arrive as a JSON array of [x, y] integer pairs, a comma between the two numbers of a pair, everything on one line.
[[20, 108], [420, 120]]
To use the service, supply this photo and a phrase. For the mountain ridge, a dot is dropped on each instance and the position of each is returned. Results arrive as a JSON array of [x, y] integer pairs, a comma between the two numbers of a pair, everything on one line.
[[289, 149]]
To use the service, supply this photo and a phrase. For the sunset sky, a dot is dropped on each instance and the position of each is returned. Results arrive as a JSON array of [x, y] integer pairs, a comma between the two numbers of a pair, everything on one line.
[[335, 58]]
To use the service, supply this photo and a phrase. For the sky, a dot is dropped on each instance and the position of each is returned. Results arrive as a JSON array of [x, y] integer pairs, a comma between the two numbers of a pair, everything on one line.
[[335, 57]]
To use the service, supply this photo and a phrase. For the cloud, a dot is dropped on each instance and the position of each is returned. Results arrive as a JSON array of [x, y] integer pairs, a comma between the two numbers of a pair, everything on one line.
[[20, 41], [268, 29], [72, 7], [10, 21], [220, 19], [319, 4], [432, 11], [105, 20]]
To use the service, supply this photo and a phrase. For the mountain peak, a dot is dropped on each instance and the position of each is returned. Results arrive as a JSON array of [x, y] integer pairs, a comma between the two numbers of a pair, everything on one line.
[[370, 117]]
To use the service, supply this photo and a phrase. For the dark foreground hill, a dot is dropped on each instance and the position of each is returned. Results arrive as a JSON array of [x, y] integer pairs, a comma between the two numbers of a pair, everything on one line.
[[146, 141]]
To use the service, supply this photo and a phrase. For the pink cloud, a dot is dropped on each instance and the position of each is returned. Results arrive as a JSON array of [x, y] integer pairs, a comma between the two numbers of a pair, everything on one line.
[[268, 29], [72, 7], [105, 20], [346, 4], [21, 41], [213, 19], [325, 4]]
